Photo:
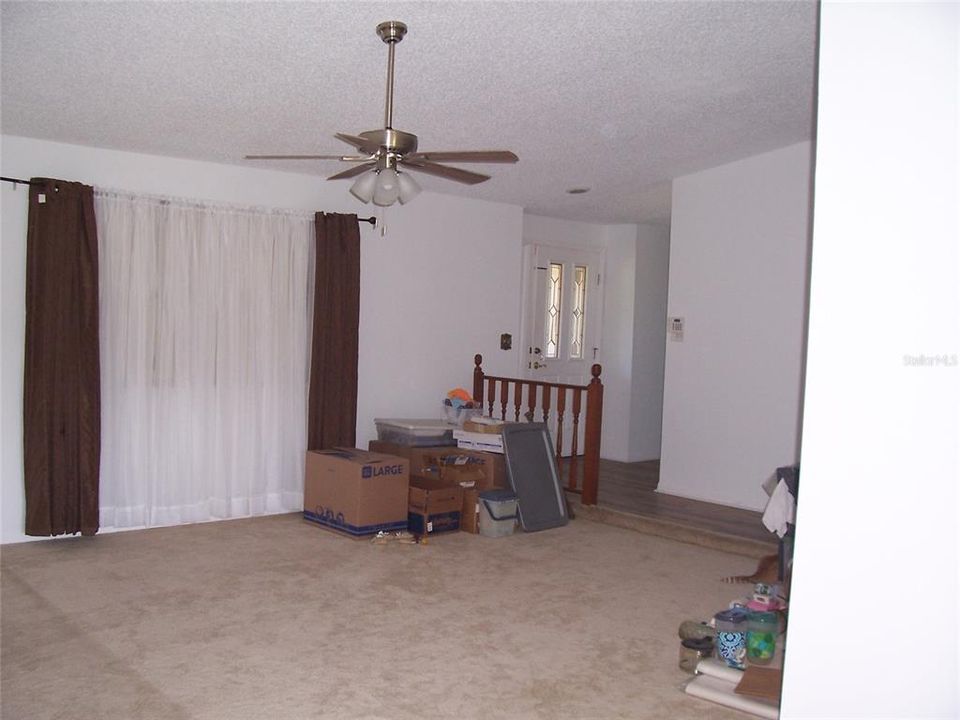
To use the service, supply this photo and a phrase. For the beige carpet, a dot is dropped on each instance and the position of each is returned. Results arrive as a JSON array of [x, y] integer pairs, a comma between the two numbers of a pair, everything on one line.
[[274, 618]]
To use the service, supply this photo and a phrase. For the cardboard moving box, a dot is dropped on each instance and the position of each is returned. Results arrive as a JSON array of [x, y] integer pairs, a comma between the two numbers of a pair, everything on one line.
[[389, 448], [487, 426], [479, 441], [423, 460], [470, 511], [434, 505], [356, 492], [484, 470]]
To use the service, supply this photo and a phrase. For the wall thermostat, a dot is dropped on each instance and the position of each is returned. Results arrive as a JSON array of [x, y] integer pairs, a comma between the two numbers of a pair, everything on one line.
[[675, 328]]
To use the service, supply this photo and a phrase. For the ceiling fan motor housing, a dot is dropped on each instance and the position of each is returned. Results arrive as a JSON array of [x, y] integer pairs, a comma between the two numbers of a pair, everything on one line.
[[390, 140]]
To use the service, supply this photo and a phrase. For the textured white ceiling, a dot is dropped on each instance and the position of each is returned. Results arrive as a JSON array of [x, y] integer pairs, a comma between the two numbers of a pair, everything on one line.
[[620, 97]]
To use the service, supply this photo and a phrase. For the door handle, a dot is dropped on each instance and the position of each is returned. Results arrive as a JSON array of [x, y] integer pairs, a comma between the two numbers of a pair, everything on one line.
[[537, 365]]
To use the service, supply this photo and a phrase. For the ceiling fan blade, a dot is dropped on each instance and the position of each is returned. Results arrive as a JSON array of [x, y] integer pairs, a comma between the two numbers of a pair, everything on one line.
[[481, 156], [361, 144], [354, 171], [344, 158], [444, 171]]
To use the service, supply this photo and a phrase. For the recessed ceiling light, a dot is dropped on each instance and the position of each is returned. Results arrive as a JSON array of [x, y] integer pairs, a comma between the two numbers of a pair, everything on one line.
[[578, 191]]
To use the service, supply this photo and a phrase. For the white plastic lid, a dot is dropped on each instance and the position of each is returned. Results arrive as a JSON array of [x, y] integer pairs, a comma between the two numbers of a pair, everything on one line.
[[430, 426]]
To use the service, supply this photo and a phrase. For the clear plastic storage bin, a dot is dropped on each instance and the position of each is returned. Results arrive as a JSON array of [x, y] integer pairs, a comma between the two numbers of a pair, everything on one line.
[[415, 433]]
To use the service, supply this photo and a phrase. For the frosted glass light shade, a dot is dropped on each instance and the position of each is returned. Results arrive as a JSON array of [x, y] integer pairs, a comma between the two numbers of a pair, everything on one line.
[[387, 188], [409, 188], [364, 186]]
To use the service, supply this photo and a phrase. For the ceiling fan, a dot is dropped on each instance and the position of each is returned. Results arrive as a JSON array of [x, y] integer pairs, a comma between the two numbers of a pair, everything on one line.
[[386, 154]]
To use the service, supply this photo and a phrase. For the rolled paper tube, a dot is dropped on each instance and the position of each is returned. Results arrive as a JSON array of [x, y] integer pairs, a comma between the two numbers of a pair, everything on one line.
[[722, 692], [720, 670]]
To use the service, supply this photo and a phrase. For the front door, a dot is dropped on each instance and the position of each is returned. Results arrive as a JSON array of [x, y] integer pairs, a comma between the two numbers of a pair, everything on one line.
[[562, 315]]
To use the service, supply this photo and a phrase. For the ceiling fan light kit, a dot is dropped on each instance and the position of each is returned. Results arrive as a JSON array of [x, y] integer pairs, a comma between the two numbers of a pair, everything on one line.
[[386, 154], [387, 188], [363, 188], [409, 188]]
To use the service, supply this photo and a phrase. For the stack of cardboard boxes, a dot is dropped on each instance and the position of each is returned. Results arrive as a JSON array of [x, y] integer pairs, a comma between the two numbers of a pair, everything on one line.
[[468, 472], [394, 487]]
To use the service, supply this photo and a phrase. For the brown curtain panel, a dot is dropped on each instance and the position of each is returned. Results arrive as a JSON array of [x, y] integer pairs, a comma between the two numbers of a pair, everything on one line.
[[61, 374], [332, 405]]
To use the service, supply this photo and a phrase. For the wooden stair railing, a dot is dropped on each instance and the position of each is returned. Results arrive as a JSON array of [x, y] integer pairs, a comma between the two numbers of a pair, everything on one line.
[[485, 392]]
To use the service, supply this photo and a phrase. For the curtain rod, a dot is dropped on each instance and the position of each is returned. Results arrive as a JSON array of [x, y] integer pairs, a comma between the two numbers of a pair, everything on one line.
[[372, 220], [19, 182]]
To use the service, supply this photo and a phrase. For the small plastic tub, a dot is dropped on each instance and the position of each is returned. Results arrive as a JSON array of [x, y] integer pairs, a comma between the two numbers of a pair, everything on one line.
[[458, 416], [498, 513]]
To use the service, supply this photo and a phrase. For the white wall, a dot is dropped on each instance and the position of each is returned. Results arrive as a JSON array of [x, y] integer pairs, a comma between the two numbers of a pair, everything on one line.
[[631, 315], [619, 296], [649, 337], [563, 233], [440, 287], [738, 266], [877, 512]]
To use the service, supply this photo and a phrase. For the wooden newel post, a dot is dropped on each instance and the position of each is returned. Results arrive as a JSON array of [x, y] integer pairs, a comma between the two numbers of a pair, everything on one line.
[[591, 443], [478, 379]]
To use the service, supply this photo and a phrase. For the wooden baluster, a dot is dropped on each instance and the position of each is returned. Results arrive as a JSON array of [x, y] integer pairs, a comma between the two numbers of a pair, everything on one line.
[[561, 406], [574, 438], [589, 480], [591, 459], [531, 402], [478, 379]]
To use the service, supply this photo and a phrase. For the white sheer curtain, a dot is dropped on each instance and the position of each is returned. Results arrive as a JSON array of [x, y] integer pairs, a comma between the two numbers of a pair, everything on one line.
[[205, 323]]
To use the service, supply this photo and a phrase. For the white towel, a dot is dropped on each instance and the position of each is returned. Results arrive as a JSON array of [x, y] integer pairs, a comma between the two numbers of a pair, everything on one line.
[[781, 509]]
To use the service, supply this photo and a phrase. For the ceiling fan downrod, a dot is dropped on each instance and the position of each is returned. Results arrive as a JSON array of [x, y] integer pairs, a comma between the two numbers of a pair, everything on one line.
[[391, 32]]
